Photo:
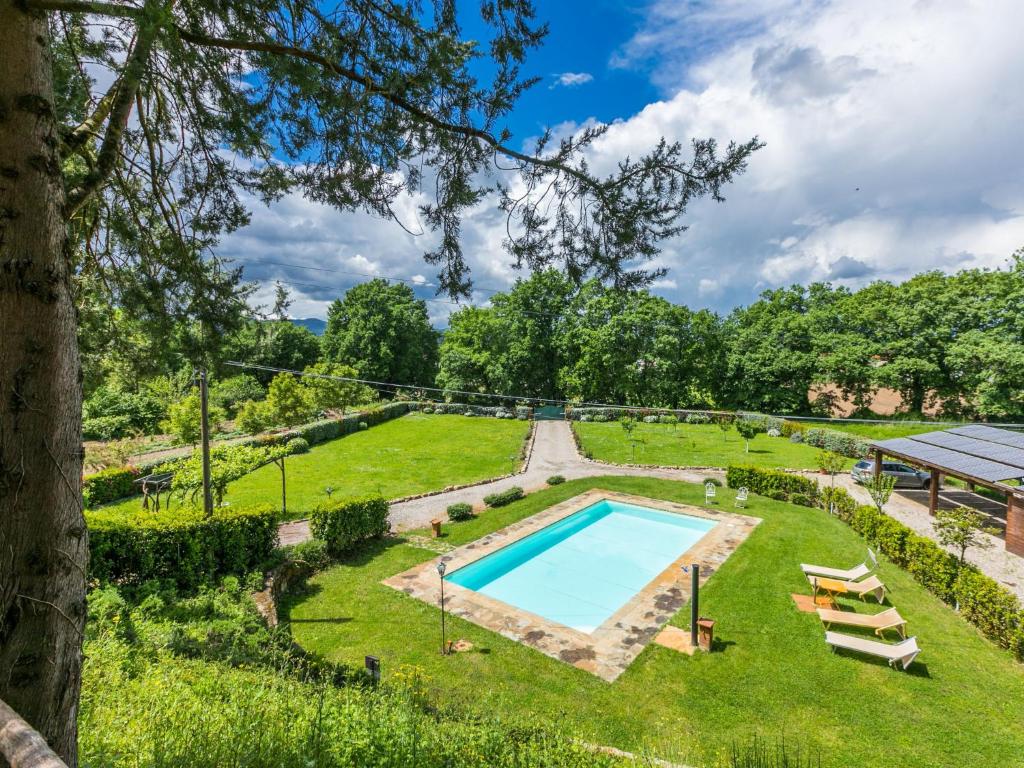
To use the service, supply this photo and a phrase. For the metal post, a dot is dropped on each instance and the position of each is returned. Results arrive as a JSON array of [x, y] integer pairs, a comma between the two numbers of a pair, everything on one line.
[[205, 432], [442, 617], [694, 604]]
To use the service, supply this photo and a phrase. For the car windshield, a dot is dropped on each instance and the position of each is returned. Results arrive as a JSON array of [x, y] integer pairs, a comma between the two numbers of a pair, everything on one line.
[[863, 464]]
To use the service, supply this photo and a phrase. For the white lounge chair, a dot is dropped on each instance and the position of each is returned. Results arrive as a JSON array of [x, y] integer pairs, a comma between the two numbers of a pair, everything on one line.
[[847, 574], [872, 585], [741, 497], [901, 653], [709, 492], [879, 622]]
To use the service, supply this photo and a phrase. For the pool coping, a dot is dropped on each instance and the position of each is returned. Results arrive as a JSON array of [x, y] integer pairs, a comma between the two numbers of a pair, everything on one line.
[[609, 650]]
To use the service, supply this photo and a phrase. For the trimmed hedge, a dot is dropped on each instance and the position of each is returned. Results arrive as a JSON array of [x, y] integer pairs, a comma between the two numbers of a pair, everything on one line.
[[982, 601], [109, 485], [555, 480], [345, 524], [459, 512], [773, 483], [501, 498], [843, 443], [180, 546]]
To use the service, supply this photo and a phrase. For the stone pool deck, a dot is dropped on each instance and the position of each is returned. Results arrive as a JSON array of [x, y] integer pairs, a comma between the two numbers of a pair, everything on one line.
[[609, 650]]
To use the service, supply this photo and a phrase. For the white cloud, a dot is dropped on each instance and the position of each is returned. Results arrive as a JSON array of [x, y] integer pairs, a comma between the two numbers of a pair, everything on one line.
[[571, 79]]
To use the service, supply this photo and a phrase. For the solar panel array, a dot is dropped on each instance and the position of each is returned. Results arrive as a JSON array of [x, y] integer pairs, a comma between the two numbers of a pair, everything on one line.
[[985, 453]]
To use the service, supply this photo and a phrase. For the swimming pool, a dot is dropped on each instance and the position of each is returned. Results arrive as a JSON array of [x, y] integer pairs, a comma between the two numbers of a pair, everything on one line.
[[582, 569]]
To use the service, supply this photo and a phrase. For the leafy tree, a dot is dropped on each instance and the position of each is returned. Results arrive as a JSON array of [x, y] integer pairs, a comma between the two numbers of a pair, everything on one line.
[[127, 178], [831, 463], [383, 331], [229, 394], [748, 430], [254, 417], [471, 352], [962, 528], [135, 412], [326, 394], [288, 400], [880, 489], [275, 344], [184, 420]]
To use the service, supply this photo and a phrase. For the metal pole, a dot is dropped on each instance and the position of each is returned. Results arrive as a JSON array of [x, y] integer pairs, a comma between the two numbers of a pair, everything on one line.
[[694, 606], [442, 617], [205, 432]]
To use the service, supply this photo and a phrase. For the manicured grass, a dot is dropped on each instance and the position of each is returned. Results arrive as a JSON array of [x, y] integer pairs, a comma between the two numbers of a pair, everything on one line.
[[414, 454], [877, 431], [691, 445], [772, 675]]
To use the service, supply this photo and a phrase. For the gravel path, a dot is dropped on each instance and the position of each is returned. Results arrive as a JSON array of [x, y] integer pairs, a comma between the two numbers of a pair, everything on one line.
[[554, 453]]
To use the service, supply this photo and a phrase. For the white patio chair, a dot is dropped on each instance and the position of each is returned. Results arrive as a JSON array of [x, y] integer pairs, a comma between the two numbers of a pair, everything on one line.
[[741, 497], [709, 492]]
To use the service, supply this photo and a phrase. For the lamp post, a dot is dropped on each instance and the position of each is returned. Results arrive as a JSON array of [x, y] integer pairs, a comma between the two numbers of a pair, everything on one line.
[[440, 572], [694, 571]]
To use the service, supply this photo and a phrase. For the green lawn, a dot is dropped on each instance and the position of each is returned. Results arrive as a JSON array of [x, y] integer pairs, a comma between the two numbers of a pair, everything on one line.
[[774, 676], [877, 431], [691, 445], [414, 454]]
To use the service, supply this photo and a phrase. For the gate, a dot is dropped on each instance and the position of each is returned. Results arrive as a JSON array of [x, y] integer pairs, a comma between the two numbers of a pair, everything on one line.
[[549, 413]]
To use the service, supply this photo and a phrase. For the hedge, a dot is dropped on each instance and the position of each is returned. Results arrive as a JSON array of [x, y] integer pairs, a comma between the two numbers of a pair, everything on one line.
[[773, 483], [501, 498], [459, 512], [982, 600], [109, 485], [842, 443], [182, 546], [345, 524]]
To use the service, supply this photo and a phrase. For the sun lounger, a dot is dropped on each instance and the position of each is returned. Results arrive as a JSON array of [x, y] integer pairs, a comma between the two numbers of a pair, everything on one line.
[[880, 622], [843, 574], [832, 587], [901, 653]]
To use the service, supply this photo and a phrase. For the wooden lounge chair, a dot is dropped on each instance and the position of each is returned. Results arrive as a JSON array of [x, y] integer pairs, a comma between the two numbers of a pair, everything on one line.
[[889, 619], [901, 653], [847, 574], [872, 585]]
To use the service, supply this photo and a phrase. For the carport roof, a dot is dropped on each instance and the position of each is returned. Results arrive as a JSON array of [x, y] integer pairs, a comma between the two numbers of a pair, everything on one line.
[[975, 451]]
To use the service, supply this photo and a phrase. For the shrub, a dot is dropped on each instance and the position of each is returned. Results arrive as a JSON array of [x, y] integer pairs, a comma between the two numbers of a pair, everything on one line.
[[523, 412], [842, 443], [777, 494], [651, 419], [586, 417], [108, 485], [363, 425], [181, 545], [297, 445], [232, 392], [838, 501], [698, 418], [602, 417], [184, 420], [312, 552], [790, 428], [668, 419], [117, 413], [343, 525], [764, 481], [254, 417], [461, 511], [320, 431], [713, 480], [801, 499], [501, 498], [556, 480], [796, 437], [106, 427]]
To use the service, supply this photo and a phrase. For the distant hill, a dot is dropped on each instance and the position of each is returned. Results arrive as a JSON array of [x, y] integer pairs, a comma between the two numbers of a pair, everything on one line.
[[315, 324]]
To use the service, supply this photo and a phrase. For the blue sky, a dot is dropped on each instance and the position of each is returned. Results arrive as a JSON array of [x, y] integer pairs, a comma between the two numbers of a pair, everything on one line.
[[892, 131]]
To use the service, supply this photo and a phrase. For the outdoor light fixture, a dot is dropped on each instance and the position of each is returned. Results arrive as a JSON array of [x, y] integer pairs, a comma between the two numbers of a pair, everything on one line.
[[695, 596], [441, 566]]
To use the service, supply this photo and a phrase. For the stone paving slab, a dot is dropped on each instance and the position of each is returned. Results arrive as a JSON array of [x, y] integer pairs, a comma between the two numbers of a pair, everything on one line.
[[609, 650]]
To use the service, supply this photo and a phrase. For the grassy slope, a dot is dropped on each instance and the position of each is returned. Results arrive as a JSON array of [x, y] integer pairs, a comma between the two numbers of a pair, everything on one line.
[[876, 431], [413, 454], [960, 705], [692, 445]]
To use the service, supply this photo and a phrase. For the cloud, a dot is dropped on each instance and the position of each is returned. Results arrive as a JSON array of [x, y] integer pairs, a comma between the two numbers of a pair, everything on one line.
[[844, 267], [572, 79]]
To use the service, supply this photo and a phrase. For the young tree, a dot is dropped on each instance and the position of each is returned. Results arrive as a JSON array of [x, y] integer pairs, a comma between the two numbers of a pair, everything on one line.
[[185, 418], [748, 429], [880, 488], [725, 425], [126, 177], [333, 394], [831, 463], [288, 400], [962, 528], [254, 416]]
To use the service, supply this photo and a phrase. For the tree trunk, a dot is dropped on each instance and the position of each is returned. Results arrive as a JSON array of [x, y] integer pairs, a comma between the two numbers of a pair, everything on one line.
[[43, 540]]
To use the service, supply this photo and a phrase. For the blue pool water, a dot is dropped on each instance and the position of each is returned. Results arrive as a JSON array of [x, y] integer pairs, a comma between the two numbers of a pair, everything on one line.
[[582, 569]]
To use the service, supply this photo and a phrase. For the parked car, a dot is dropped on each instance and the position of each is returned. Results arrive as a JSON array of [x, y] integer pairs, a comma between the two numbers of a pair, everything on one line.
[[906, 477]]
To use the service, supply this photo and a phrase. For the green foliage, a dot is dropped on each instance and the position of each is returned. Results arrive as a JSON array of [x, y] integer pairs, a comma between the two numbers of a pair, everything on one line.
[[833, 441], [313, 552], [227, 464], [230, 394], [770, 481], [749, 429], [759, 754], [297, 445], [830, 463], [880, 488], [108, 485], [962, 528], [275, 344], [288, 400], [184, 420], [326, 394], [461, 511], [555, 480], [345, 524], [112, 413], [179, 545], [501, 498], [254, 417]]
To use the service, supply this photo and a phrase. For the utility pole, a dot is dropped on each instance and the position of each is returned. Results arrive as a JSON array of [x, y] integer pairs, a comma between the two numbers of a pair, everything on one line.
[[205, 433]]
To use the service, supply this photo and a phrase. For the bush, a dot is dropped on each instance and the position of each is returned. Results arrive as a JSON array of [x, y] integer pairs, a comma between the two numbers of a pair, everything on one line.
[[184, 420], [232, 392], [790, 428], [364, 425], [842, 443], [713, 480], [108, 485], [766, 481], [116, 413], [459, 512], [801, 499], [796, 437], [698, 418], [106, 427], [181, 545], [555, 480], [777, 494], [297, 445], [501, 498], [254, 417], [312, 552], [343, 525]]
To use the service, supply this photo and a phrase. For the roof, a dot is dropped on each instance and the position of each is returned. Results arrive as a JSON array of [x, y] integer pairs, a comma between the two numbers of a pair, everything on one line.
[[974, 451]]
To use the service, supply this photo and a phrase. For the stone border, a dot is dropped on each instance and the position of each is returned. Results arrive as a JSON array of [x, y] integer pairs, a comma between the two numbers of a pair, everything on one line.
[[609, 650]]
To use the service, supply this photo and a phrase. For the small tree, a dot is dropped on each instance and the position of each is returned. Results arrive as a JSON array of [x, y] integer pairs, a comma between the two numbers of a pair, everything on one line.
[[725, 424], [831, 463], [332, 394], [288, 400], [880, 488], [184, 420], [748, 429], [254, 417], [962, 528]]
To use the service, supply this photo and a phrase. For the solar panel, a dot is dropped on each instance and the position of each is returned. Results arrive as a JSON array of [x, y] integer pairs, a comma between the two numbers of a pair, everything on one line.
[[998, 452], [948, 459], [991, 434]]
